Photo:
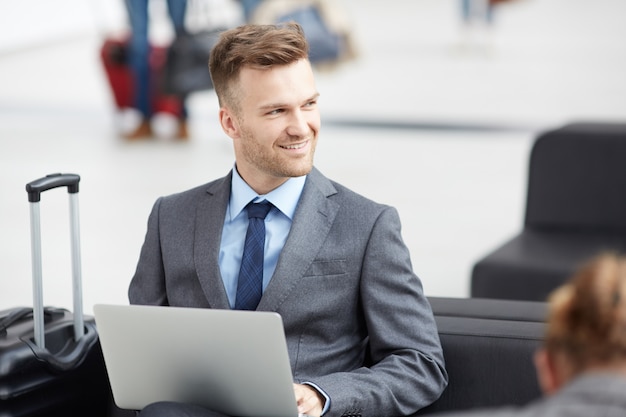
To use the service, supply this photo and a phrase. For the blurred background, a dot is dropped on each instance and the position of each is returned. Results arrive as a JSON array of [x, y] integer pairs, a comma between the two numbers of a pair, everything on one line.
[[433, 116]]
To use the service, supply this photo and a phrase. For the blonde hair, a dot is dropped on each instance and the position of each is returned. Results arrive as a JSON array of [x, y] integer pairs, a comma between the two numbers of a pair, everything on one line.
[[255, 46], [587, 316]]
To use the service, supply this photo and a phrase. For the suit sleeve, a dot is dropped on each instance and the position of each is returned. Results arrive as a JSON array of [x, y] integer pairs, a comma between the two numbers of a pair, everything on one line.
[[406, 370], [148, 283]]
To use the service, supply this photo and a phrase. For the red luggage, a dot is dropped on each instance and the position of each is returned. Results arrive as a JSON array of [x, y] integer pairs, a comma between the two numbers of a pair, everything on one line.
[[114, 56]]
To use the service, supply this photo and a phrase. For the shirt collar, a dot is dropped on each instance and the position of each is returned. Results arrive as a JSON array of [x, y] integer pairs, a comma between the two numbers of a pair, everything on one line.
[[285, 197]]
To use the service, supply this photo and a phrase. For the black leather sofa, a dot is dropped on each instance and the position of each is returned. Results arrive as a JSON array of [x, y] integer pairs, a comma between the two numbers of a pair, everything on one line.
[[575, 209]]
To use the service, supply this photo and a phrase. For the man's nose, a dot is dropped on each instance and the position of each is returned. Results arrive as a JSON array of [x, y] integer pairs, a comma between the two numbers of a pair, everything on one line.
[[298, 124]]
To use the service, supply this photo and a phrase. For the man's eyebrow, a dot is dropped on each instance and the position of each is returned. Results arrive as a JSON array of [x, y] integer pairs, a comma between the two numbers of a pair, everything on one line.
[[279, 105]]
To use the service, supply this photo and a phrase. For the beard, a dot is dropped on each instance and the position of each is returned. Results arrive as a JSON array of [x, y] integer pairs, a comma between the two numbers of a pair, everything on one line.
[[277, 164]]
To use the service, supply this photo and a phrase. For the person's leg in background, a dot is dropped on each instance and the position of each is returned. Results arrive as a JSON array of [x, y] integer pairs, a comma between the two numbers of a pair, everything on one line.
[[177, 10], [466, 11], [139, 53], [489, 13], [477, 20], [248, 8]]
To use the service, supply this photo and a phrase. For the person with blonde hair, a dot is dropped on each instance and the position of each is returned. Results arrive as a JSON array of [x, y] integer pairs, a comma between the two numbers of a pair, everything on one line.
[[581, 367]]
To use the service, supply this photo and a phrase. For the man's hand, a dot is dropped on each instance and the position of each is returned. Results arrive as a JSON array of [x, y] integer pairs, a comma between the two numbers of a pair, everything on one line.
[[309, 401]]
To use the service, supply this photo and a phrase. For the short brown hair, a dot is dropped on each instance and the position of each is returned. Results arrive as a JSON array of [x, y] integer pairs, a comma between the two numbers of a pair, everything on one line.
[[587, 318], [255, 46]]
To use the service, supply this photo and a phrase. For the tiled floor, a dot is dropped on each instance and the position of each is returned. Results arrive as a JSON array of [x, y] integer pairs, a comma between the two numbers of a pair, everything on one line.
[[424, 120]]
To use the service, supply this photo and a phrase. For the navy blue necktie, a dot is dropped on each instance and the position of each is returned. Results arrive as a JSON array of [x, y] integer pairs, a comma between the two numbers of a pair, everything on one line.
[[250, 282]]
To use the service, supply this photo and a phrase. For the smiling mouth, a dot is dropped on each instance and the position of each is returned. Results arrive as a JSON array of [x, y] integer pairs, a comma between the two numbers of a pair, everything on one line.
[[295, 145]]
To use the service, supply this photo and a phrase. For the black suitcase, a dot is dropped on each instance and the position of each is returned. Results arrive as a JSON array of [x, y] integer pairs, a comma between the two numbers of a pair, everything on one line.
[[50, 359]]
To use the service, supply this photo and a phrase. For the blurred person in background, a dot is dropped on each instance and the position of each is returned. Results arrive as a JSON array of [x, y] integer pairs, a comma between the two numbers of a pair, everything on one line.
[[139, 59], [582, 366], [477, 11], [249, 6], [477, 25]]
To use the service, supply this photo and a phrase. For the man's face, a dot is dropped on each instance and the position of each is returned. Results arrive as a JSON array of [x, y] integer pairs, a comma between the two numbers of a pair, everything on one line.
[[276, 126]]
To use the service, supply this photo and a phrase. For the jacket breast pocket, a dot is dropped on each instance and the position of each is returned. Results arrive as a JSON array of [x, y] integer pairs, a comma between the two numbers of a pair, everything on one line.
[[322, 268]]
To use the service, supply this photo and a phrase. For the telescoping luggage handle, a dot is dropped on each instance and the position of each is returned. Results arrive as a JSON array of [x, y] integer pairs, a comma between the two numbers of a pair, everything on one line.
[[34, 189]]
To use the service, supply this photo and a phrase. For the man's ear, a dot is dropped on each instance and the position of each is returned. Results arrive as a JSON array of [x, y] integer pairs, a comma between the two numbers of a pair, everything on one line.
[[547, 372], [229, 122]]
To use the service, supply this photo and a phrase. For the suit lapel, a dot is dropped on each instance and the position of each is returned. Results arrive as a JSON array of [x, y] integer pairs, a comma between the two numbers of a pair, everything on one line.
[[208, 231], [313, 219]]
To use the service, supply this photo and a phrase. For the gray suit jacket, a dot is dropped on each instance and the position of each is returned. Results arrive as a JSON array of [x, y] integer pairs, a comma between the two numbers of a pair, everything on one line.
[[591, 395], [356, 319]]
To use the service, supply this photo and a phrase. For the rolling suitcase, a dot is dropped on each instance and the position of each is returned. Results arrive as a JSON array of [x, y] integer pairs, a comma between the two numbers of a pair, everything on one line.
[[50, 359], [114, 57]]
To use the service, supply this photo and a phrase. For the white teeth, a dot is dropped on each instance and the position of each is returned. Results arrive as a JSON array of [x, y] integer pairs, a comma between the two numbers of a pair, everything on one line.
[[297, 146]]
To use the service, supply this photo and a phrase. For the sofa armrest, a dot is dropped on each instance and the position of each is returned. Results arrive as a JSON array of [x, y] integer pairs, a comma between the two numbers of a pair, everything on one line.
[[489, 360], [489, 308]]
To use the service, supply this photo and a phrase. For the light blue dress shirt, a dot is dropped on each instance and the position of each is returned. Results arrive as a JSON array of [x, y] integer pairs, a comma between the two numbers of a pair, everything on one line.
[[277, 225]]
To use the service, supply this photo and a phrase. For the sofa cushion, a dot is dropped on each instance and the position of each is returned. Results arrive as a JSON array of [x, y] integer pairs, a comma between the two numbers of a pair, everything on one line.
[[532, 264]]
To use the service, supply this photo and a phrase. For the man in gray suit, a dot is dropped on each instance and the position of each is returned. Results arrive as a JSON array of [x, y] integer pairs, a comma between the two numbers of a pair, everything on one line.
[[361, 336]]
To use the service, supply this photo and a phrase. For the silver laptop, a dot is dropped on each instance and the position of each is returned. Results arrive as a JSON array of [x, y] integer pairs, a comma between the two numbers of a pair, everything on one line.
[[233, 362]]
